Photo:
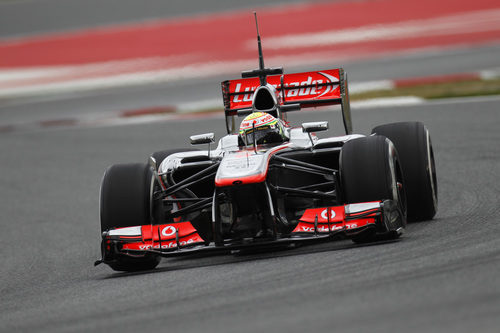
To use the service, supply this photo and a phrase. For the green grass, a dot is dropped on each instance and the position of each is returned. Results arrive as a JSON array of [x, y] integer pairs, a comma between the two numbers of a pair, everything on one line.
[[437, 90], [428, 91]]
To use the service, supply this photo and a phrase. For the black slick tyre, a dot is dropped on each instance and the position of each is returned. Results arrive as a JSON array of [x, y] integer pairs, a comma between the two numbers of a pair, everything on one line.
[[414, 146], [125, 199], [370, 171]]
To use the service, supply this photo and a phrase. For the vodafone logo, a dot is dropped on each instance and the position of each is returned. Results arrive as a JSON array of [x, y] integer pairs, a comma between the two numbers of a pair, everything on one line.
[[168, 231], [324, 214]]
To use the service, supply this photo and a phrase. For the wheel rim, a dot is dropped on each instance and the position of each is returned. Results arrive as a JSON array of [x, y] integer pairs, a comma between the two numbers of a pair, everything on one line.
[[397, 184], [401, 190]]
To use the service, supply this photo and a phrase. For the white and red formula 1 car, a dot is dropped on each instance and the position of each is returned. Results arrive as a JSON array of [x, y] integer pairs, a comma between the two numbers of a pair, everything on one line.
[[269, 183]]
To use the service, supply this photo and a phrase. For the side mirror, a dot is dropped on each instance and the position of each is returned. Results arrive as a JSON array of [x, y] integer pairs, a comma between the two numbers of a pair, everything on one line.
[[316, 126], [202, 138], [152, 163]]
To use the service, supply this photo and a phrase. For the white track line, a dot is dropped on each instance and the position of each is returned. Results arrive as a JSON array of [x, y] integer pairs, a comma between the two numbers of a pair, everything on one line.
[[477, 21]]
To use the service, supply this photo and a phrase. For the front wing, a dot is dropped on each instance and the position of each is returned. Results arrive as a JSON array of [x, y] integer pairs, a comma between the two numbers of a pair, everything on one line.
[[179, 238]]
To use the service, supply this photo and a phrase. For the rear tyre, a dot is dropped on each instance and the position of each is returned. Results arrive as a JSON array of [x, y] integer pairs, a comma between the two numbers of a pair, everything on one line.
[[125, 201], [370, 171], [414, 146]]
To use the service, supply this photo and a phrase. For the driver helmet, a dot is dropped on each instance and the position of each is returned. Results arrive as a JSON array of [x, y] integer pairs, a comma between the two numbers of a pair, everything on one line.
[[261, 127]]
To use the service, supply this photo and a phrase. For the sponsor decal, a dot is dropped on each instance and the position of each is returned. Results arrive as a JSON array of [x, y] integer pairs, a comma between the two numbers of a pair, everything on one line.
[[297, 87], [324, 214], [308, 87], [321, 214], [167, 245], [308, 227], [354, 224], [246, 97], [257, 119], [245, 167], [321, 228], [168, 231], [147, 245]]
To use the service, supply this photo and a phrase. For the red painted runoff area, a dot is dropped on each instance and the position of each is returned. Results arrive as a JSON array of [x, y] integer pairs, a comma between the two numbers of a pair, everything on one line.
[[360, 27]]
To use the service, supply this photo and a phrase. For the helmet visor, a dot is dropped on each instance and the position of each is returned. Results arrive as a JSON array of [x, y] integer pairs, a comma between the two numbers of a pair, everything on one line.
[[263, 135]]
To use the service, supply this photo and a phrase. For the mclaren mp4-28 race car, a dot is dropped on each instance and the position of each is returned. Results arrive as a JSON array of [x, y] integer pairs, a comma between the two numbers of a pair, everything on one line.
[[266, 182]]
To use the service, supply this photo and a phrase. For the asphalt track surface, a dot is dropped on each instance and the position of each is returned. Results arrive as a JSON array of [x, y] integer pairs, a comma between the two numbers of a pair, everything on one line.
[[110, 101], [444, 275], [27, 17]]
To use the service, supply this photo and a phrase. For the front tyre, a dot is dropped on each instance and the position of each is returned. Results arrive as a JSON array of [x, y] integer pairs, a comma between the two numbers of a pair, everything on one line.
[[125, 201], [370, 171]]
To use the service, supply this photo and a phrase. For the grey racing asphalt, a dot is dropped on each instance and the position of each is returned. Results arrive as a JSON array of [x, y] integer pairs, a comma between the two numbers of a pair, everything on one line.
[[19, 18], [444, 274]]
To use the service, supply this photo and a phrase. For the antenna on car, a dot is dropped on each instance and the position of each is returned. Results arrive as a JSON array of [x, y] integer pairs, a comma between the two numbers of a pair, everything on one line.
[[262, 72], [261, 57], [254, 140]]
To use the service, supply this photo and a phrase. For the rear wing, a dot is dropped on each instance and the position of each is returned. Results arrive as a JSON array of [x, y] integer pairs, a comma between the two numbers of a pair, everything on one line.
[[307, 89]]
